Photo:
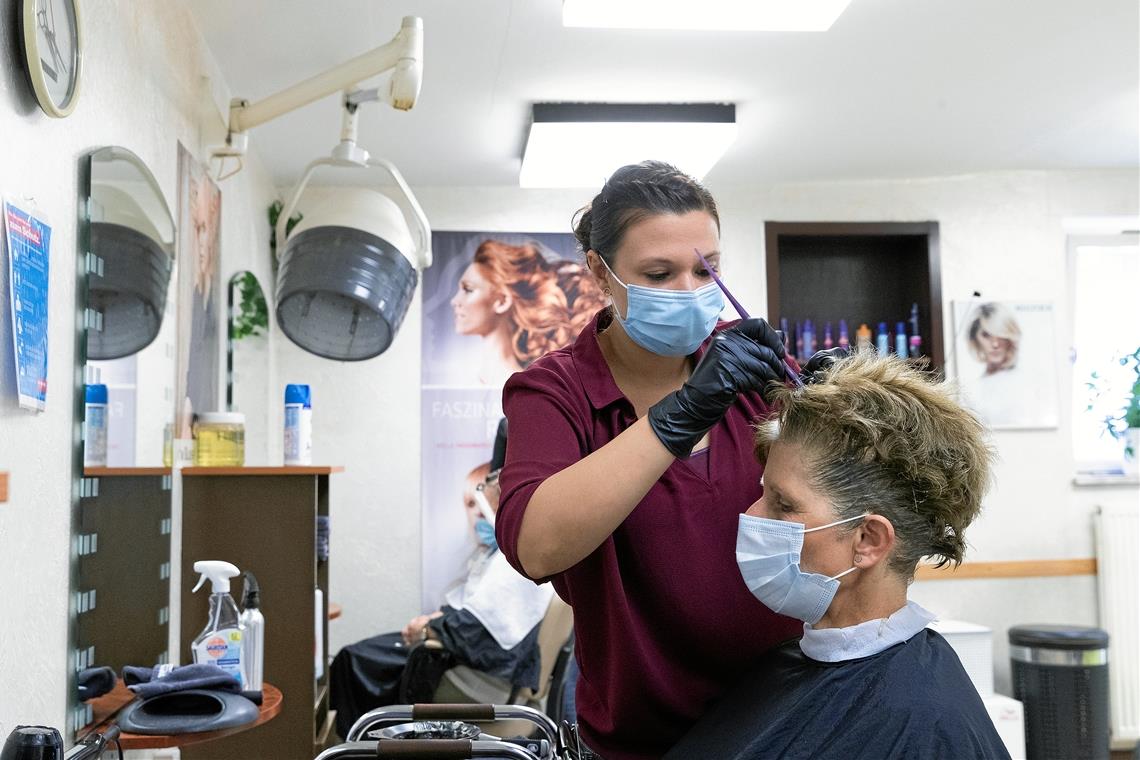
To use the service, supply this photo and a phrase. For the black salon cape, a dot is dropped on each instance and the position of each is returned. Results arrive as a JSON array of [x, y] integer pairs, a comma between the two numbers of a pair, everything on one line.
[[913, 700]]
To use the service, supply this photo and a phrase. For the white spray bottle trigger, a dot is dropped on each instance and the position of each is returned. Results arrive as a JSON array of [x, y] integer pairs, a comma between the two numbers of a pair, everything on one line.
[[219, 573]]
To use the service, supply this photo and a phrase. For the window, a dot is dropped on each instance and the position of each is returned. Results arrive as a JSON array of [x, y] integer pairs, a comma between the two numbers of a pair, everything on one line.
[[1106, 329]]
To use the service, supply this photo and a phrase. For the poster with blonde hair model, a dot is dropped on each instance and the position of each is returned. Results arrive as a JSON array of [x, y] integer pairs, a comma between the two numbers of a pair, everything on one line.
[[1006, 359], [493, 303]]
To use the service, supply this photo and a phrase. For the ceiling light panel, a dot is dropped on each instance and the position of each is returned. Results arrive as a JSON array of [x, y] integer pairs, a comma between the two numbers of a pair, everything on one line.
[[706, 15], [580, 145]]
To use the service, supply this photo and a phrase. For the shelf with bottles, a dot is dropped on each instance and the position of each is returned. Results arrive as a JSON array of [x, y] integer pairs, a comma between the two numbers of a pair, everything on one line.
[[803, 337], [862, 273]]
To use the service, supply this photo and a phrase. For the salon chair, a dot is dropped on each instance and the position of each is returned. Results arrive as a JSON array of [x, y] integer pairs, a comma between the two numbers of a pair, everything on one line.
[[464, 685]]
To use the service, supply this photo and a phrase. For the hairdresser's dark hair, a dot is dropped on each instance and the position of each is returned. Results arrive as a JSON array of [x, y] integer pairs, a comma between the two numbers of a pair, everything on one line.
[[633, 193]]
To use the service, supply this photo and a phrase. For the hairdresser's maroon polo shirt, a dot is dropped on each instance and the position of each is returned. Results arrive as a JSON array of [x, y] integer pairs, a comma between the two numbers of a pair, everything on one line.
[[663, 620]]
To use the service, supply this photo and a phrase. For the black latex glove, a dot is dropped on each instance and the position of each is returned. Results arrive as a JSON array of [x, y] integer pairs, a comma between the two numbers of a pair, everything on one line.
[[820, 361], [745, 357]]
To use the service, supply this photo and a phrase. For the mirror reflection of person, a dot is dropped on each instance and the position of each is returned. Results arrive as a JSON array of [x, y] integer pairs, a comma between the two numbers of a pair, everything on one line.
[[521, 305], [489, 622], [855, 496], [1000, 394]]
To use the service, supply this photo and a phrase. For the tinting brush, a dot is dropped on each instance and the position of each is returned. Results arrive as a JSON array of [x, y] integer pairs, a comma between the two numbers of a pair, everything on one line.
[[788, 371]]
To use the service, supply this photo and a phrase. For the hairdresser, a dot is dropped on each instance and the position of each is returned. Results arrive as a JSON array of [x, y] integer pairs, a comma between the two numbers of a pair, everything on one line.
[[629, 464]]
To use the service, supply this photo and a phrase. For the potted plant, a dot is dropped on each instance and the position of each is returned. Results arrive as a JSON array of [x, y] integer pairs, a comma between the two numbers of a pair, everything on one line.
[[1123, 423]]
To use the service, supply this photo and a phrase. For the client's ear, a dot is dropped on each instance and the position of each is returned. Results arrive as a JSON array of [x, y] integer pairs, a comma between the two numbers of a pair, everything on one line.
[[874, 540]]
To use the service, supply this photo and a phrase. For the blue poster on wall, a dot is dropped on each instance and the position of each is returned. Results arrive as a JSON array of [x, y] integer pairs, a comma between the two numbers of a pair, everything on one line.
[[29, 241]]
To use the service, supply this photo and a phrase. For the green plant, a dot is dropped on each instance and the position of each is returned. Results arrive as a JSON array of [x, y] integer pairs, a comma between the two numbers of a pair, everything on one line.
[[274, 214], [252, 314], [1121, 418]]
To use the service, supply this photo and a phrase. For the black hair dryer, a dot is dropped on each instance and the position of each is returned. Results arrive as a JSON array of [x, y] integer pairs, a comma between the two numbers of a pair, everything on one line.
[[33, 743]]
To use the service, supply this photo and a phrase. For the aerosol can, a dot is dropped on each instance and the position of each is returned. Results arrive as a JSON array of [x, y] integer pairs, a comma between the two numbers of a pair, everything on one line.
[[221, 641]]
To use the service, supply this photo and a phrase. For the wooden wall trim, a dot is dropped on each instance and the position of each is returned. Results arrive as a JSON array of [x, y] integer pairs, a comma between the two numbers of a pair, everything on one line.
[[3, 486], [1032, 568]]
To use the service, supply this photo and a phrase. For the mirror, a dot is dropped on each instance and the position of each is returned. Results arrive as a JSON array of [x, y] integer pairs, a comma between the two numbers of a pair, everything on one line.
[[247, 359], [121, 524], [130, 349]]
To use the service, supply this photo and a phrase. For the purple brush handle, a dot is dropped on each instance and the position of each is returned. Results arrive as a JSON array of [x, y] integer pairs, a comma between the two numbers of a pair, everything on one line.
[[788, 371]]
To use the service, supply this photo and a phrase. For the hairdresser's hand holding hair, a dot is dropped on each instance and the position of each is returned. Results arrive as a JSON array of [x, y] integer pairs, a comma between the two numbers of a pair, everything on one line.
[[821, 361], [746, 357]]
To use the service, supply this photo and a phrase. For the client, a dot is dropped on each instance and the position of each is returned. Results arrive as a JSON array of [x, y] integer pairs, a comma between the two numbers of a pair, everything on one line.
[[867, 471], [489, 622]]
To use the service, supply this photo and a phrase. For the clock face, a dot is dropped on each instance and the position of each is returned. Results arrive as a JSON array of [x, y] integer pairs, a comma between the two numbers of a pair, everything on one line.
[[52, 40]]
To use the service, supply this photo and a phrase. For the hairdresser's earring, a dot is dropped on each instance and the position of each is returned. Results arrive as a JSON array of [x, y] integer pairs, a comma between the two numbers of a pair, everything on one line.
[[858, 558]]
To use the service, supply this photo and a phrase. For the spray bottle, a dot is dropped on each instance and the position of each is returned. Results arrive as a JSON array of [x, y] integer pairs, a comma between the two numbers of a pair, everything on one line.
[[220, 642], [254, 624]]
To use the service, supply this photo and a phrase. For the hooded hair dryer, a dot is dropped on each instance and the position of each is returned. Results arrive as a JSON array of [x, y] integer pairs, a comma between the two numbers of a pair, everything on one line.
[[348, 271]]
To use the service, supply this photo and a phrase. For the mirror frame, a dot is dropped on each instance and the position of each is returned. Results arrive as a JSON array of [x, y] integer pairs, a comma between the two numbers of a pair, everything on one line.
[[86, 263]]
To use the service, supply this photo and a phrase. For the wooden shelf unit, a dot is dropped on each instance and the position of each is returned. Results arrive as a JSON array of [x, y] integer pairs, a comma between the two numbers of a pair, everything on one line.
[[264, 520], [859, 271]]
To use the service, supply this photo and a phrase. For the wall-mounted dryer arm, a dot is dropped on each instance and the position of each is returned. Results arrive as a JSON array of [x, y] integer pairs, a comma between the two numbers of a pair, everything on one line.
[[404, 53]]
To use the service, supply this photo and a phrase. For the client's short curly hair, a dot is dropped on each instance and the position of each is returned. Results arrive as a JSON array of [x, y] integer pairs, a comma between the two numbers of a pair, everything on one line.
[[878, 436]]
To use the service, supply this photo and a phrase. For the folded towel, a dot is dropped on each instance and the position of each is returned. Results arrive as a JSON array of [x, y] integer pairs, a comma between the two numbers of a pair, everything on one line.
[[94, 682], [162, 679]]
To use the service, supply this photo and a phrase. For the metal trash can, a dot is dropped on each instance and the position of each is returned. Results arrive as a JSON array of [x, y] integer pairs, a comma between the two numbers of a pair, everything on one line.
[[1060, 674]]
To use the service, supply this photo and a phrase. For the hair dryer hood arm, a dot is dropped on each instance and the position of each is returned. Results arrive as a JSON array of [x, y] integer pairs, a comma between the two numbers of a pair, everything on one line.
[[404, 86]]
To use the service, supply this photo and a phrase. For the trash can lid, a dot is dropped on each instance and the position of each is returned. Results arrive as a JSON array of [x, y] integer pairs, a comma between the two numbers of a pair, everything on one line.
[[1058, 637]]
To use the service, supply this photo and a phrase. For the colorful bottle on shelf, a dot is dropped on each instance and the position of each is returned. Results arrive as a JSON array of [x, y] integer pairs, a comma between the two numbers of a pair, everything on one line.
[[915, 337], [809, 339], [827, 341], [900, 339], [95, 426], [882, 340], [298, 425], [799, 352], [863, 338], [843, 341]]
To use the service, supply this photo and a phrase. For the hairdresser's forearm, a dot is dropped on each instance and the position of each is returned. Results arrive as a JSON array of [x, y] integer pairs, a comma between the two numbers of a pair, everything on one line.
[[575, 510]]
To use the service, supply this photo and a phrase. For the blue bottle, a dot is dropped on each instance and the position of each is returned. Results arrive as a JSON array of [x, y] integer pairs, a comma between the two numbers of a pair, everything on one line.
[[809, 339], [882, 340], [900, 339]]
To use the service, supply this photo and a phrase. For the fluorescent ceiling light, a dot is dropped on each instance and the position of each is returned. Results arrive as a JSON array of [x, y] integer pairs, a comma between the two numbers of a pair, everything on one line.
[[581, 144], [705, 15]]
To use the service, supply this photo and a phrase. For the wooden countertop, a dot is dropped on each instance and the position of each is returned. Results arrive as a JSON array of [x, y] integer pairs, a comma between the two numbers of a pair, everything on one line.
[[307, 470], [108, 706], [110, 472]]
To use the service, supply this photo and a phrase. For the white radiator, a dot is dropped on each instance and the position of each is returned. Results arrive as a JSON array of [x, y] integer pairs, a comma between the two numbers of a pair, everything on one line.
[[1118, 571]]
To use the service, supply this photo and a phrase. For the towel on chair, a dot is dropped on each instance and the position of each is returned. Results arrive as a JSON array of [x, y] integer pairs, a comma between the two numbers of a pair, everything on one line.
[[162, 679]]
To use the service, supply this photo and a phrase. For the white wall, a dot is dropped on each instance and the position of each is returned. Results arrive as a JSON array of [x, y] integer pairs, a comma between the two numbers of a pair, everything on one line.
[[149, 82], [1001, 234]]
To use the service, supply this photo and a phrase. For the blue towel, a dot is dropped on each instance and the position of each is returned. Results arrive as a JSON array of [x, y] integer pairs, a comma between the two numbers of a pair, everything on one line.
[[162, 679]]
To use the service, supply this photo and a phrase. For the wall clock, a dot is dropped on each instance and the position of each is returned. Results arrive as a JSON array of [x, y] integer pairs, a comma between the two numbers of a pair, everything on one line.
[[52, 41]]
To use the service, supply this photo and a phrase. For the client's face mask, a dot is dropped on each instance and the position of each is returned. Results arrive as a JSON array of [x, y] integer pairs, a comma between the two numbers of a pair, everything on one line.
[[485, 533], [768, 554], [669, 322]]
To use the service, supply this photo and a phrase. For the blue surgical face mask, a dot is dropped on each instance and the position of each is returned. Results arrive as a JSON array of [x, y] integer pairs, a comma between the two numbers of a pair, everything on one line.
[[768, 554], [669, 322], [485, 533]]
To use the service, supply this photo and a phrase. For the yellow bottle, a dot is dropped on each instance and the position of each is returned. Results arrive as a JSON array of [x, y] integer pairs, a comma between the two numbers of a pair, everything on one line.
[[219, 439]]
